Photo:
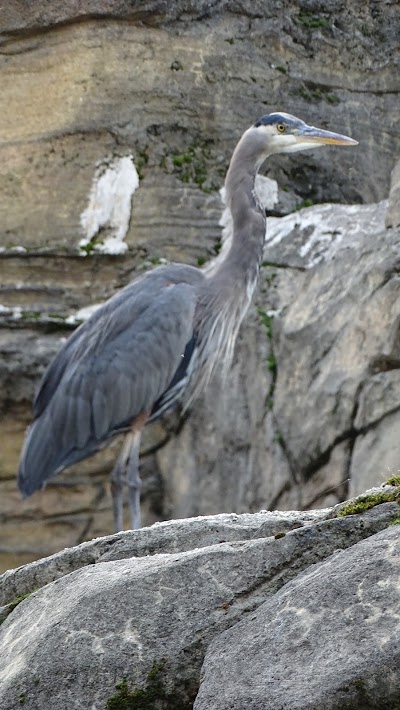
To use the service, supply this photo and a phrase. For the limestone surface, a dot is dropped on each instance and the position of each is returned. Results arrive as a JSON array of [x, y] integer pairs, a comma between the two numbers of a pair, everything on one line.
[[296, 652], [132, 617]]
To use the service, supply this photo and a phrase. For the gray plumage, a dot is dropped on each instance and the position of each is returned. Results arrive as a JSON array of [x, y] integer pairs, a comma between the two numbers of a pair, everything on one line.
[[157, 341]]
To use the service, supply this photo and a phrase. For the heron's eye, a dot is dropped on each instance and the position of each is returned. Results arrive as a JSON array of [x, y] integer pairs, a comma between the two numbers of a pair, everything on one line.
[[281, 127]]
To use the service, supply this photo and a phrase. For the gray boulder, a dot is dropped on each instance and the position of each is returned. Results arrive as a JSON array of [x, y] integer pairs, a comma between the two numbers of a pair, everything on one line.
[[130, 617], [330, 639]]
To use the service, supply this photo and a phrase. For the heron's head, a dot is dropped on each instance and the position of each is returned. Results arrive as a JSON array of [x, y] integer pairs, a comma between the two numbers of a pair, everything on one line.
[[283, 133]]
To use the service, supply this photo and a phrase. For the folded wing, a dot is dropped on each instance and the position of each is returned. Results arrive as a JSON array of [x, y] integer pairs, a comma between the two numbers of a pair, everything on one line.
[[112, 369]]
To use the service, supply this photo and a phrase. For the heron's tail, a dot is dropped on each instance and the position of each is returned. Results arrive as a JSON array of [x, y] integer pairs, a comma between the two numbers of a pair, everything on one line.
[[39, 459], [44, 455]]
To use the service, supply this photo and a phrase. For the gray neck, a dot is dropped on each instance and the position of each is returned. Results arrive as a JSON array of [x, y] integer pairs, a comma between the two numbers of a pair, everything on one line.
[[230, 283], [245, 255]]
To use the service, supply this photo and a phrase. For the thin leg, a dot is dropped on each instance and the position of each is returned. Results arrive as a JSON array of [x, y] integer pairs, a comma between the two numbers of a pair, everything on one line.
[[117, 480], [133, 480], [116, 493]]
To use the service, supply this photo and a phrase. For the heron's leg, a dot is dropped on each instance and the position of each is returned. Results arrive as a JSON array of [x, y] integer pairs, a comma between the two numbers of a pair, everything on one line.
[[133, 479], [117, 481]]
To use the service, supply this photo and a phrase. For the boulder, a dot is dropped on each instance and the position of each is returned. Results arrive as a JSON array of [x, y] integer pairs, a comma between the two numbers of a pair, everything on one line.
[[329, 639], [131, 617]]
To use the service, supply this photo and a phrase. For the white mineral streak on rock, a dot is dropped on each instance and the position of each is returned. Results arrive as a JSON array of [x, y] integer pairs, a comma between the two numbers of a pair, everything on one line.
[[327, 228], [13, 250], [12, 311], [267, 191], [109, 205], [83, 314]]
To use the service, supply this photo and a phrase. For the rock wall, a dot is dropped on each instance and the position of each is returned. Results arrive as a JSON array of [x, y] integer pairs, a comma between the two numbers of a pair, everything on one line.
[[117, 122]]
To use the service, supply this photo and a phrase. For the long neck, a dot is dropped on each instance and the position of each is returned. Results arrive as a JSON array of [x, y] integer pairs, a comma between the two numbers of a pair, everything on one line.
[[242, 262], [232, 279]]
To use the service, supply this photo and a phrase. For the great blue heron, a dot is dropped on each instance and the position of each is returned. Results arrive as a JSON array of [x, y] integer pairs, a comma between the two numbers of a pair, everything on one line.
[[156, 342]]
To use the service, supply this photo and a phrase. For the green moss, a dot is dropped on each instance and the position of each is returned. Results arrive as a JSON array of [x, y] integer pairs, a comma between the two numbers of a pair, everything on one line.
[[90, 247], [154, 696], [359, 505], [31, 315], [395, 521], [141, 160], [279, 534], [194, 166], [359, 695], [201, 260], [311, 21], [87, 248], [217, 247], [281, 69], [14, 603], [314, 93], [266, 320], [331, 99], [179, 160], [22, 698], [393, 481], [39, 316], [8, 608], [271, 362], [306, 203], [310, 94]]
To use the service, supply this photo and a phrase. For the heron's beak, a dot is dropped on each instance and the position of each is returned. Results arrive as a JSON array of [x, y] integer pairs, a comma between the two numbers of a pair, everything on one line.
[[317, 136]]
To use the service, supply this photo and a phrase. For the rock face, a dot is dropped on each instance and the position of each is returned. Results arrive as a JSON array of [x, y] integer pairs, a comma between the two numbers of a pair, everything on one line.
[[117, 123], [131, 617], [340, 653], [393, 213]]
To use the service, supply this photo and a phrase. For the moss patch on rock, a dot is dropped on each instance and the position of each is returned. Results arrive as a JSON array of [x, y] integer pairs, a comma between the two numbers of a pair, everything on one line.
[[154, 696], [365, 502]]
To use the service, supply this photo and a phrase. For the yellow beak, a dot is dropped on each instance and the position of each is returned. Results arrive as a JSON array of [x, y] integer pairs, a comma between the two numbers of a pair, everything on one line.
[[309, 134]]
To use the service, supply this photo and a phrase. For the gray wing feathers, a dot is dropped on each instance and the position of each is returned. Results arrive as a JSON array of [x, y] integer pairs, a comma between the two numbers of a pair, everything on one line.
[[102, 388], [109, 321]]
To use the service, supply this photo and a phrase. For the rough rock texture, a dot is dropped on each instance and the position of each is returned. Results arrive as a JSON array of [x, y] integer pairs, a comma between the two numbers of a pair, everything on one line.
[[342, 653], [393, 213], [131, 617], [94, 93]]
